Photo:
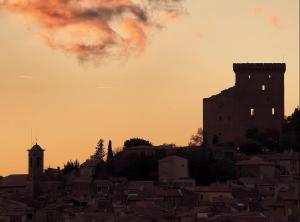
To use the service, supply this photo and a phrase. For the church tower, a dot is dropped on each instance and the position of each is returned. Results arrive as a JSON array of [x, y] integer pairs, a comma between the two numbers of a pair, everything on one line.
[[35, 162]]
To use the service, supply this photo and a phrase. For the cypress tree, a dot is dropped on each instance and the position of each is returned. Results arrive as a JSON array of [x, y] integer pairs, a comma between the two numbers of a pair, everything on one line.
[[110, 154]]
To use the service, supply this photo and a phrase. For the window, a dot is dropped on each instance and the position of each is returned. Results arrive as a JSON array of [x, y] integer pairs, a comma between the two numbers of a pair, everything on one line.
[[273, 111], [38, 162], [220, 118], [249, 76], [263, 87], [252, 112], [30, 163], [269, 76]]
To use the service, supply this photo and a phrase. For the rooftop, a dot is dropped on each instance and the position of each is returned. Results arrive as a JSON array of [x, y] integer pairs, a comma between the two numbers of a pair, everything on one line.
[[14, 180], [254, 161], [36, 147]]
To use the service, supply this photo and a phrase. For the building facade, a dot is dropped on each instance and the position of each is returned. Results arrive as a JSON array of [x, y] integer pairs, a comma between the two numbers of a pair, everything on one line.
[[172, 168], [256, 101]]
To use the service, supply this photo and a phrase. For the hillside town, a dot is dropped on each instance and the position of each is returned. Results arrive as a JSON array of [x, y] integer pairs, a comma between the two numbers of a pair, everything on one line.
[[244, 166]]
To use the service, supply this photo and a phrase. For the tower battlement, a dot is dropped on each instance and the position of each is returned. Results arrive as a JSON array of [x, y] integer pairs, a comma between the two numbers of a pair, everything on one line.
[[259, 67]]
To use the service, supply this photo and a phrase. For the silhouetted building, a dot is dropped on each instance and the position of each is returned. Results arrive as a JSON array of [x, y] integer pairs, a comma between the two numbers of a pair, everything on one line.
[[255, 102], [35, 162], [35, 169]]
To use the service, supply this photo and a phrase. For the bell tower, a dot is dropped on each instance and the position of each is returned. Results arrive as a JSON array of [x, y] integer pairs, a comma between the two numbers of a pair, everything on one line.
[[35, 162]]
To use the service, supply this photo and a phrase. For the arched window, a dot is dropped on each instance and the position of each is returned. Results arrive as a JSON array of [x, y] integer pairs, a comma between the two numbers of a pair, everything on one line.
[[263, 87]]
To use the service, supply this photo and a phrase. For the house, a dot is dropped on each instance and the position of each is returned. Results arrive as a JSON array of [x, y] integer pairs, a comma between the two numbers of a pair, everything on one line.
[[88, 168], [16, 183], [14, 211], [172, 168], [288, 162], [209, 193], [256, 167]]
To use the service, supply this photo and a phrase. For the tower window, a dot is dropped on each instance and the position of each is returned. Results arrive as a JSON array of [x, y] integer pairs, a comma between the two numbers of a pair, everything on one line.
[[252, 112], [273, 111], [270, 76], [249, 76], [263, 87], [38, 162]]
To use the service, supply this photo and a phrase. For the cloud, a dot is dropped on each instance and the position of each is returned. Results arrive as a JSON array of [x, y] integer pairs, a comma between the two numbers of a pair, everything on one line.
[[94, 30], [29, 77], [271, 18], [104, 87], [274, 19], [199, 35]]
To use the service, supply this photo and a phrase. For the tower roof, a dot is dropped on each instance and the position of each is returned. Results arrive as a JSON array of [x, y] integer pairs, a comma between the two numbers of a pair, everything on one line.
[[36, 147]]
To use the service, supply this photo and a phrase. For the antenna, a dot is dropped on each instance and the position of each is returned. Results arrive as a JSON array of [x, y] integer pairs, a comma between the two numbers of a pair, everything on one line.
[[30, 137]]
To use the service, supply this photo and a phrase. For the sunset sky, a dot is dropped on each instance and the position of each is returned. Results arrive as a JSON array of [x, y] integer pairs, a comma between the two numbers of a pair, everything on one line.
[[74, 80]]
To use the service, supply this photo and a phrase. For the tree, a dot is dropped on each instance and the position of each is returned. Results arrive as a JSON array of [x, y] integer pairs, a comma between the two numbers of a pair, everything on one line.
[[136, 142], [197, 139], [100, 153], [267, 138], [110, 154], [291, 131], [70, 166]]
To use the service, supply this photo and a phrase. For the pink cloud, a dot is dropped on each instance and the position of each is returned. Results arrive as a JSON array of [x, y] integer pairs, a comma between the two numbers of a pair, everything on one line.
[[94, 29], [270, 17], [199, 35]]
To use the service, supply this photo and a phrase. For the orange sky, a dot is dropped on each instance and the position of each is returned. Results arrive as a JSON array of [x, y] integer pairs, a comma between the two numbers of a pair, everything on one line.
[[153, 90]]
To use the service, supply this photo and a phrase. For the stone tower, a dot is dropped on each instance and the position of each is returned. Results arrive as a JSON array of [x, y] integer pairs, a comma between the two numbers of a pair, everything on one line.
[[256, 101], [35, 162]]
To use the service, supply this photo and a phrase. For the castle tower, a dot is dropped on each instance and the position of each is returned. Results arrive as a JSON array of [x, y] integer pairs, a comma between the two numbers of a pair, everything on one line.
[[260, 95], [256, 101], [35, 162]]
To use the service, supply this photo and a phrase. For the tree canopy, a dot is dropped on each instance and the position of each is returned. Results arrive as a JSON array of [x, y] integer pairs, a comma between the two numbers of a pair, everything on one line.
[[136, 142], [70, 166], [197, 138], [291, 131]]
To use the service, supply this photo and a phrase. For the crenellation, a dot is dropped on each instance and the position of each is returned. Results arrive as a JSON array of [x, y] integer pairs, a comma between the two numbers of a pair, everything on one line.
[[259, 67]]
